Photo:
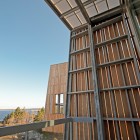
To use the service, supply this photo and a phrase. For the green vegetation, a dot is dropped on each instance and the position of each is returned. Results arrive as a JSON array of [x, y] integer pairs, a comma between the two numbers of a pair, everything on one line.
[[40, 115], [21, 116], [18, 116]]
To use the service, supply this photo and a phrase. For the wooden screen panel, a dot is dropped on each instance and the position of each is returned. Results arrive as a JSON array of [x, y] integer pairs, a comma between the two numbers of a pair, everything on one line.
[[81, 91], [117, 67], [81, 81], [84, 131], [134, 95], [117, 103]]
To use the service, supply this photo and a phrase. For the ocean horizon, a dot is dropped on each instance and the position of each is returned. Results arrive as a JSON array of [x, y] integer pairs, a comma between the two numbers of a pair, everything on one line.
[[5, 112]]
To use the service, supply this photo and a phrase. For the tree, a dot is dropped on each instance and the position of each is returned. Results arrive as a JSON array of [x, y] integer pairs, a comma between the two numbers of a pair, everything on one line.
[[15, 117], [40, 115], [18, 115], [9, 119], [5, 120]]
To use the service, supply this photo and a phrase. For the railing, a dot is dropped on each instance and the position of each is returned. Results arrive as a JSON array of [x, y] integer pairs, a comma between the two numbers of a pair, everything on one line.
[[10, 130]]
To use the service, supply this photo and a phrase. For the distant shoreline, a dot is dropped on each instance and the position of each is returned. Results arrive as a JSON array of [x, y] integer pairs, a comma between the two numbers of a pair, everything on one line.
[[21, 108], [5, 112]]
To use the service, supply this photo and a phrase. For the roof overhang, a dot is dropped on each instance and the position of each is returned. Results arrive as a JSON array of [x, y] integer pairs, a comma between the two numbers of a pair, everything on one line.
[[76, 13]]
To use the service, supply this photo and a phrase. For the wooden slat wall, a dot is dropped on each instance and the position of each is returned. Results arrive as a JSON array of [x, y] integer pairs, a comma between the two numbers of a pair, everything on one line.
[[117, 65], [56, 85], [125, 101], [82, 90]]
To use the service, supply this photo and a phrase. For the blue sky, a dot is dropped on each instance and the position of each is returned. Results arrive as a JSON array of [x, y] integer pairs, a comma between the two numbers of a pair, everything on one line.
[[32, 38]]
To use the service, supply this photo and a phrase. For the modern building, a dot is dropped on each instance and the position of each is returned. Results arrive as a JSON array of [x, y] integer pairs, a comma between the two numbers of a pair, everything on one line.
[[103, 93], [103, 84], [56, 95]]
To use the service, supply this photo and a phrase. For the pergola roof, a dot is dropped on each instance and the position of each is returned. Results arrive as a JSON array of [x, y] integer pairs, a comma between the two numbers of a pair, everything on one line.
[[75, 13]]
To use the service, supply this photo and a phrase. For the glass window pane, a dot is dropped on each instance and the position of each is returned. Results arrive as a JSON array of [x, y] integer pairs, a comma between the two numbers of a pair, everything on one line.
[[56, 99], [61, 98]]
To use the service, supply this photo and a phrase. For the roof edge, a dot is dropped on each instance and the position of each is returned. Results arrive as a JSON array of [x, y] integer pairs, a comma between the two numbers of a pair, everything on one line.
[[58, 14]]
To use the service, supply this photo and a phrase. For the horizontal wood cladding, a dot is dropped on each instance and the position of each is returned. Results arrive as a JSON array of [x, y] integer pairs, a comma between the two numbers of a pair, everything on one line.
[[56, 85], [117, 68]]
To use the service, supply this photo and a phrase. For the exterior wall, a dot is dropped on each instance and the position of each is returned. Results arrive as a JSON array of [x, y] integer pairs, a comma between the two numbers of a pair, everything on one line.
[[56, 85], [104, 82]]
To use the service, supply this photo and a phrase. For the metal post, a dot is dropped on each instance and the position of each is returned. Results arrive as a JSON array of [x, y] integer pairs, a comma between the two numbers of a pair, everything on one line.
[[26, 135], [75, 97], [67, 109], [133, 24], [87, 96], [131, 45], [96, 91], [71, 131]]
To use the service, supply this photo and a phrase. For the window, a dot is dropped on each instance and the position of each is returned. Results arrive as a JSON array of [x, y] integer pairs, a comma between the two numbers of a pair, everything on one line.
[[59, 103]]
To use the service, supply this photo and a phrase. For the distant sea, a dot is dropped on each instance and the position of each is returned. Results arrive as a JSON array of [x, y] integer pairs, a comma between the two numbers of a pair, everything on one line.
[[4, 113]]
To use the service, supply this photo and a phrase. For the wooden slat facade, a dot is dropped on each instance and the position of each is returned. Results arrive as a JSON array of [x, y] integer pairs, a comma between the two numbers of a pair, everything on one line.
[[56, 85], [114, 99]]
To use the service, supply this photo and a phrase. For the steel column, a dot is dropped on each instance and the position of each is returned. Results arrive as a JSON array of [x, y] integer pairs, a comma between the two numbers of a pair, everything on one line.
[[96, 91], [67, 109]]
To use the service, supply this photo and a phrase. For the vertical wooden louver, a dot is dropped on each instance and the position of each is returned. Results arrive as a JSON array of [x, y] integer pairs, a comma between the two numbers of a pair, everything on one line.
[[109, 51]]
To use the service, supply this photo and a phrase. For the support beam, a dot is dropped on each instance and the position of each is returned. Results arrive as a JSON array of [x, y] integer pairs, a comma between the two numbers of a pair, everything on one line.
[[91, 119], [120, 61], [83, 10], [81, 92], [121, 88], [67, 107], [96, 87], [10, 130], [114, 40], [80, 70], [80, 34], [75, 8], [130, 8], [4, 131], [107, 15], [83, 26], [107, 23], [81, 50], [84, 119]]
